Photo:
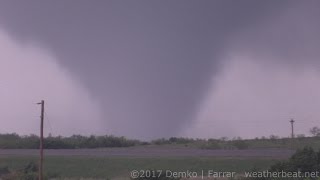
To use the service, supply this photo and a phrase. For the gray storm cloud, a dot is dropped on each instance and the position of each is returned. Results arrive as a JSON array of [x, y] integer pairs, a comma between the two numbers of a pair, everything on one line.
[[169, 68], [28, 74], [149, 63], [271, 74], [250, 99]]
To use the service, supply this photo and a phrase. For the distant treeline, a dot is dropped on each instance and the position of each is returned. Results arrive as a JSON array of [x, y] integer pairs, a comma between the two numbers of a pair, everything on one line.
[[15, 141], [272, 141], [175, 140]]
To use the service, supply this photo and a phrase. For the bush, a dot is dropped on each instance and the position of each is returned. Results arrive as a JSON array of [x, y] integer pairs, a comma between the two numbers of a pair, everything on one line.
[[304, 160], [240, 144], [29, 172]]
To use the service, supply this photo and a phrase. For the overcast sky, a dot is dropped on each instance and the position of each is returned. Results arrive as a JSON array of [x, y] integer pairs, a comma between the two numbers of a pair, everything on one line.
[[151, 69]]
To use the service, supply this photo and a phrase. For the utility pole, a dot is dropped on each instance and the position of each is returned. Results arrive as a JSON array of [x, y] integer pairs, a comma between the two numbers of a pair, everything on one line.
[[292, 134], [41, 140]]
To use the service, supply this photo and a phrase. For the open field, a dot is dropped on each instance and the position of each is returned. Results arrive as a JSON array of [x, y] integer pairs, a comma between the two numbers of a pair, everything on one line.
[[120, 167], [118, 162], [154, 151], [197, 155]]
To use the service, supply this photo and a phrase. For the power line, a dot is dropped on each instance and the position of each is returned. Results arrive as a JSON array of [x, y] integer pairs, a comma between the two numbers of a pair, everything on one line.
[[254, 122], [48, 120]]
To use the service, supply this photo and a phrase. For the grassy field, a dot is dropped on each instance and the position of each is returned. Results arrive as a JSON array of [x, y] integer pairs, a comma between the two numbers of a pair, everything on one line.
[[120, 167]]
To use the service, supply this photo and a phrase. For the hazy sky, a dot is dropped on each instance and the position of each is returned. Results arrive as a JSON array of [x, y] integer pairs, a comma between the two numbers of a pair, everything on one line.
[[150, 69]]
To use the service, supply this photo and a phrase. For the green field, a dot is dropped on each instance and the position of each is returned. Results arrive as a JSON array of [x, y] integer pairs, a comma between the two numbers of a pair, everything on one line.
[[120, 167], [87, 166]]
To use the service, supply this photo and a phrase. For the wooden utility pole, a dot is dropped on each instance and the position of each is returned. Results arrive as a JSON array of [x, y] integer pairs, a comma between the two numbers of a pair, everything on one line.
[[41, 141], [292, 134]]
